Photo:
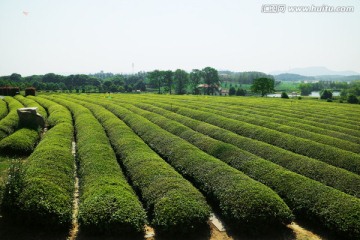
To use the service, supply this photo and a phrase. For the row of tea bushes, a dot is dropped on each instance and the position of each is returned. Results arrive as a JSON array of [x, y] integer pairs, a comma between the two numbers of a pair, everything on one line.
[[276, 116], [21, 142], [48, 185], [9, 123], [334, 156], [318, 109], [320, 115], [57, 113], [28, 102], [240, 200], [107, 202], [302, 194], [284, 127], [173, 204], [277, 110], [3, 109], [338, 178]]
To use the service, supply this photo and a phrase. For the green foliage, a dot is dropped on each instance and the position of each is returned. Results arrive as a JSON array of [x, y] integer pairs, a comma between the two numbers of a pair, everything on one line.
[[57, 113], [284, 95], [241, 200], [9, 123], [181, 79], [3, 109], [326, 94], [107, 202], [329, 154], [263, 86], [22, 142], [292, 187], [174, 205], [241, 77], [232, 91], [48, 184], [14, 185], [336, 177], [210, 77], [240, 92], [305, 89], [27, 102], [195, 80], [352, 99], [156, 79]]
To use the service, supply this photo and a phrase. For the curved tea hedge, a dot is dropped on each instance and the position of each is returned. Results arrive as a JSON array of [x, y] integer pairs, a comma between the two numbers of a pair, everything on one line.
[[240, 199], [22, 142], [174, 205], [337, 157], [107, 202], [9, 123], [259, 169], [3, 109], [48, 184], [57, 113], [28, 102]]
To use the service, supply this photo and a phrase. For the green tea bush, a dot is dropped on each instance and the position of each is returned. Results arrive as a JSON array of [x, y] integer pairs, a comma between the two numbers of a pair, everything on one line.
[[334, 156], [174, 205], [22, 142], [302, 194], [9, 123], [241, 200], [338, 178], [57, 113], [48, 182], [285, 127], [107, 202], [278, 117], [27, 102], [3, 109], [342, 118]]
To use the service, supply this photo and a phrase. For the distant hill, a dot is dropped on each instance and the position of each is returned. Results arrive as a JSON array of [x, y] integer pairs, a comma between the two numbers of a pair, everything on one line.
[[293, 77], [299, 78], [315, 71]]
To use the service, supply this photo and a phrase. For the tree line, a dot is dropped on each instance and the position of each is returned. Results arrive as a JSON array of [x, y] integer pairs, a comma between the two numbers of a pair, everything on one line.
[[178, 82], [182, 82]]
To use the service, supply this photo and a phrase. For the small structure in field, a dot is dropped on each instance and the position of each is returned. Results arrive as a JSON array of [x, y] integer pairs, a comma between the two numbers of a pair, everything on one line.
[[30, 91], [29, 117], [9, 91]]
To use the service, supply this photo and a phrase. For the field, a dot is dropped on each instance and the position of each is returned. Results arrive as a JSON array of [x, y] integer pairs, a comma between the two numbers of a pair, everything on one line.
[[111, 164]]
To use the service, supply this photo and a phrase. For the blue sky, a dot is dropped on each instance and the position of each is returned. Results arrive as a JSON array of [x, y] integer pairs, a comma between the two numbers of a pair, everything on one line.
[[86, 36]]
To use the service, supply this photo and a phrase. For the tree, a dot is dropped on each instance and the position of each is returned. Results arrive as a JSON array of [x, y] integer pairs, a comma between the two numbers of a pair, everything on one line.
[[232, 91], [305, 88], [195, 80], [181, 79], [211, 78], [240, 92], [352, 99], [156, 79], [168, 79], [284, 95], [15, 77], [263, 86], [326, 94]]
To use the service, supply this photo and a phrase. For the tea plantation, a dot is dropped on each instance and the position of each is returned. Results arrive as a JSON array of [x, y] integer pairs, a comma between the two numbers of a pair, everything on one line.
[[170, 161]]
